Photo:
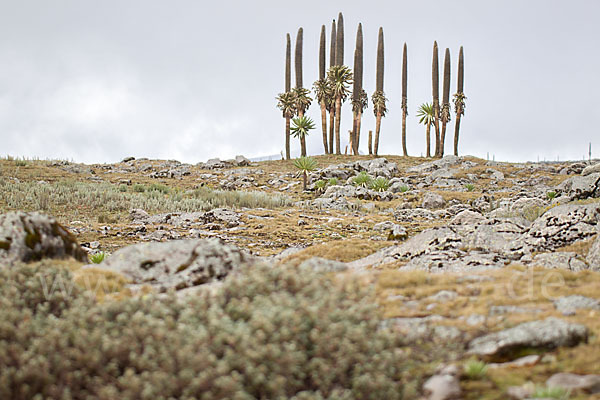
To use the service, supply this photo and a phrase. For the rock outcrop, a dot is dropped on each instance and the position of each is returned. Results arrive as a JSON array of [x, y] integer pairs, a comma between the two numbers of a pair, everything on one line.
[[26, 237], [177, 264], [545, 334]]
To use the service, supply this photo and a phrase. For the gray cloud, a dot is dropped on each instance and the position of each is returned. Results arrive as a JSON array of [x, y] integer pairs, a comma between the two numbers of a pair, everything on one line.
[[96, 81]]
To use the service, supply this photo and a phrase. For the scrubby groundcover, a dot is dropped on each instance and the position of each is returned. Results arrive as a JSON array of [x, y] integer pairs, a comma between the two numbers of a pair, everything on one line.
[[270, 333]]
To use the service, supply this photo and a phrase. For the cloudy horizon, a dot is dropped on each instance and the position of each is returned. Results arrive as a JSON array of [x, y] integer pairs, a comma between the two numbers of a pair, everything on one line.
[[99, 81]]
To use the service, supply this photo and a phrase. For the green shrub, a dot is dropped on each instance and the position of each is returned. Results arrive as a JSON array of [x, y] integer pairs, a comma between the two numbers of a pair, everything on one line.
[[380, 184], [362, 179], [404, 188], [320, 185], [122, 188], [475, 369], [550, 195], [98, 257], [333, 181], [139, 188], [158, 187], [543, 392], [470, 187], [269, 333]]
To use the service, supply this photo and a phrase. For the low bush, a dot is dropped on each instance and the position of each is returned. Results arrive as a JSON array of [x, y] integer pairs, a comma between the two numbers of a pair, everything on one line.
[[268, 333]]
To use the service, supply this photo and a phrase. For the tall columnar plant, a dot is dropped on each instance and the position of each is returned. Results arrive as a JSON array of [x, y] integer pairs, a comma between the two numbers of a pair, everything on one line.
[[340, 78], [459, 99], [301, 94], [404, 98], [445, 112], [360, 100], [339, 61], [435, 78], [286, 100], [322, 89], [378, 98], [426, 117], [331, 104], [339, 46]]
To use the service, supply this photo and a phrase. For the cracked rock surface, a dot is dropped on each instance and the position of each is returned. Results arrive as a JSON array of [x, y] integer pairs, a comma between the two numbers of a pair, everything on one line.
[[176, 264]]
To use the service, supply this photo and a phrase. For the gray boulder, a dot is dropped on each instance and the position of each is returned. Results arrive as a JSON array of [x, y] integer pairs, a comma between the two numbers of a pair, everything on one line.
[[468, 217], [177, 264], [442, 387], [563, 225], [559, 260], [432, 201], [242, 161], [581, 187], [593, 256], [27, 237], [569, 304], [587, 383], [222, 215], [549, 333], [592, 169], [443, 163]]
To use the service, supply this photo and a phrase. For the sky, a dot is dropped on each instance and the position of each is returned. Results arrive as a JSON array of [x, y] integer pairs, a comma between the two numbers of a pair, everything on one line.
[[96, 81]]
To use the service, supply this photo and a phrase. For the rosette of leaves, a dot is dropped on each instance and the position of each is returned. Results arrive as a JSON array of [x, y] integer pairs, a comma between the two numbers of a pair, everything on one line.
[[286, 102], [305, 165], [380, 184], [362, 179], [303, 100], [340, 78], [320, 185]]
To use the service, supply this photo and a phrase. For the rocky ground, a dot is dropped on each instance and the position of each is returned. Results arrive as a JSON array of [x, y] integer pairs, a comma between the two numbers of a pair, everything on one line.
[[489, 270]]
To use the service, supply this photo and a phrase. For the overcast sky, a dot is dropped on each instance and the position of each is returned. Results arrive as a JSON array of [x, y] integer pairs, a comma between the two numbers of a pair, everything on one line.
[[95, 81]]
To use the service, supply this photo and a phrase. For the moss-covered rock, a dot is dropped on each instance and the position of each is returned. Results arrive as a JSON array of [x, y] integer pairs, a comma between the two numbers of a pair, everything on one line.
[[26, 237]]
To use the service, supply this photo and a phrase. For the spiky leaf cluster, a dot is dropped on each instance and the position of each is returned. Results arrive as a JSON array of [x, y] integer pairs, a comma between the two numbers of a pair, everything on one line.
[[268, 333], [301, 126], [324, 92], [303, 100], [361, 103], [459, 103], [379, 103], [362, 179], [286, 102], [380, 184], [426, 114], [340, 78], [305, 164]]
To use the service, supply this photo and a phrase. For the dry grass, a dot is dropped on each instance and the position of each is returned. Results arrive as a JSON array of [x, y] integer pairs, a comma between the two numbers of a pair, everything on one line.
[[339, 250]]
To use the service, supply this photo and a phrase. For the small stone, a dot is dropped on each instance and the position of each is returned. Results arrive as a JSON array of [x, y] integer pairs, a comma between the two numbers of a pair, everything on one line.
[[442, 387], [432, 201], [127, 159], [302, 222], [444, 296], [94, 245]]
